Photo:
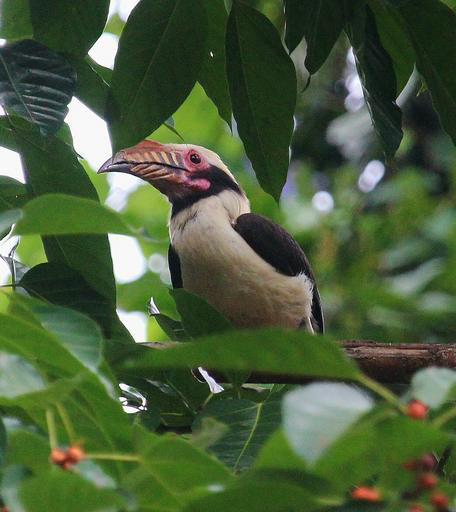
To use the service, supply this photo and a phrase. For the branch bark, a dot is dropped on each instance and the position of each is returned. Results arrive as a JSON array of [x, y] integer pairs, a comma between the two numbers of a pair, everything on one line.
[[385, 362]]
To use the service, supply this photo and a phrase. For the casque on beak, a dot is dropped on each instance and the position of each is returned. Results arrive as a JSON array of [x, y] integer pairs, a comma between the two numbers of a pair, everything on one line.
[[148, 160]]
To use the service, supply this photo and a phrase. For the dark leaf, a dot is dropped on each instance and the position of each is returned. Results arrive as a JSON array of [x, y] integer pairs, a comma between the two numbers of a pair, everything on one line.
[[431, 26], [160, 54], [249, 425], [394, 37], [7, 219], [262, 82], [376, 72], [213, 73], [15, 19], [268, 350], [68, 26], [173, 328], [36, 83], [92, 86], [198, 317], [314, 416], [320, 22], [52, 167], [7, 135]]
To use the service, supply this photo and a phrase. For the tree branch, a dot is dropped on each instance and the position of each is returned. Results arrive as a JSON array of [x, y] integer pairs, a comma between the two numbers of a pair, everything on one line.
[[385, 362]]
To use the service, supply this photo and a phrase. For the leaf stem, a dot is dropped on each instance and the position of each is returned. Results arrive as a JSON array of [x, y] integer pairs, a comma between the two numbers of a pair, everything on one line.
[[444, 417], [128, 457], [381, 391], [52, 431], [66, 422]]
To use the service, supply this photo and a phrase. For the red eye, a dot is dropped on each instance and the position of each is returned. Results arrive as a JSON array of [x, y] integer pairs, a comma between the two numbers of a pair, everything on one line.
[[195, 158]]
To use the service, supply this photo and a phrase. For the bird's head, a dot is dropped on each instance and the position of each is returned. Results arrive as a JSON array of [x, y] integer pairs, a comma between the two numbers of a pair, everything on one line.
[[183, 172]]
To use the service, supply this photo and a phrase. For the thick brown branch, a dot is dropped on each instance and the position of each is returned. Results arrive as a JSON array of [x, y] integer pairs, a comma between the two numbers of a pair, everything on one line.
[[384, 362]]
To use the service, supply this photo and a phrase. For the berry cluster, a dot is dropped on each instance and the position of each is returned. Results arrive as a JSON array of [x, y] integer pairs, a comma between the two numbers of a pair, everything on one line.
[[424, 469], [69, 457]]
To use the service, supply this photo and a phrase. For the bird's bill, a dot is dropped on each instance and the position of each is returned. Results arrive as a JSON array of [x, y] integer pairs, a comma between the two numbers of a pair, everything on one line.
[[148, 160]]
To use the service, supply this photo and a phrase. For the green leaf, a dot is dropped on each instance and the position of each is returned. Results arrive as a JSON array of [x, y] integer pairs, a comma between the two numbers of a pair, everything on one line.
[[320, 22], [61, 214], [277, 453], [92, 86], [52, 167], [262, 82], [213, 73], [3, 441], [61, 285], [68, 26], [169, 469], [28, 449], [77, 333], [160, 54], [36, 83], [278, 493], [15, 19], [17, 377], [13, 193], [64, 490], [314, 416], [377, 446], [394, 37], [198, 317], [376, 72], [274, 351], [431, 26], [433, 385], [250, 425], [7, 136]]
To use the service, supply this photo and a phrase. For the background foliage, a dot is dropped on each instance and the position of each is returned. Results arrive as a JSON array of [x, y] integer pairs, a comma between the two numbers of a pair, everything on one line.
[[369, 193]]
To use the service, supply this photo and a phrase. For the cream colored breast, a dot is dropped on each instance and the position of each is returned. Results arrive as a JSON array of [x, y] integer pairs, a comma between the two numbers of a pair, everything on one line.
[[219, 266]]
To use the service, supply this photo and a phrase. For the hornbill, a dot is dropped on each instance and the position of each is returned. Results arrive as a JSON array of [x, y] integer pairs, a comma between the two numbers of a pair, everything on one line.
[[243, 264]]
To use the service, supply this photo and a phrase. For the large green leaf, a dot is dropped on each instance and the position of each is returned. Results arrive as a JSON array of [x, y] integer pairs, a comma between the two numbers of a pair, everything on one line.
[[160, 54], [320, 22], [376, 72], [7, 219], [68, 26], [15, 19], [61, 214], [431, 26], [59, 284], [262, 82], [36, 83], [274, 351], [395, 39], [52, 167], [18, 377], [249, 425], [432, 386], [169, 469], [64, 490], [315, 415], [92, 86], [213, 73], [13, 195]]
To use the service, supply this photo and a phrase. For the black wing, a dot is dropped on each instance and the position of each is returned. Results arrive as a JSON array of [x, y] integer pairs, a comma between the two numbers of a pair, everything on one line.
[[279, 249], [174, 268]]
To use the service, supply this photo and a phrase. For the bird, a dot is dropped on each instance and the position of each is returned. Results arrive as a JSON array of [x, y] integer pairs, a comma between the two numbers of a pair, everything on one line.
[[243, 264]]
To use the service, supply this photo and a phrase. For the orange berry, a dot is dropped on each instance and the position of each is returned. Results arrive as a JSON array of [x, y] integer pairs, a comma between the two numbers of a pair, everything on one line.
[[4, 509], [427, 462], [439, 500], [427, 481], [415, 508], [417, 410], [366, 494], [58, 457], [74, 454]]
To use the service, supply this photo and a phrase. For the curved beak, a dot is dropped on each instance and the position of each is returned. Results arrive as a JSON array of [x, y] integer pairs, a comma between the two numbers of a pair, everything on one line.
[[148, 160]]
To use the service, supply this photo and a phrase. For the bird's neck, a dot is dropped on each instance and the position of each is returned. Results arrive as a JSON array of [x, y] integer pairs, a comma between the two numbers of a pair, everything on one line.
[[217, 210]]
